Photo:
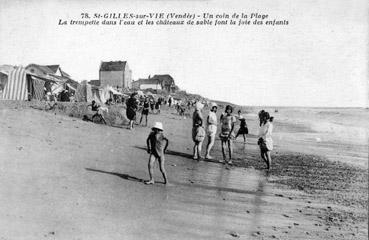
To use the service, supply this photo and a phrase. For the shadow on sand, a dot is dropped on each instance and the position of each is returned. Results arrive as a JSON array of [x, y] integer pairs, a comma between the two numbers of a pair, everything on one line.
[[121, 175], [183, 184], [180, 154]]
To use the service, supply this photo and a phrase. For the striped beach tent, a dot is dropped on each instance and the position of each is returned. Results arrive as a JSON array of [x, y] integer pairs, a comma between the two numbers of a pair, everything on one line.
[[81, 93], [16, 88], [38, 88]]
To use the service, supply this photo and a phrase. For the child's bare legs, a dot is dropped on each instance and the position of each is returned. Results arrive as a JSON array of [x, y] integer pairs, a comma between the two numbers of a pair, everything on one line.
[[264, 156], [141, 118], [146, 119], [230, 150], [269, 159], [195, 153], [162, 168], [210, 146], [244, 138], [199, 149], [151, 169], [223, 149]]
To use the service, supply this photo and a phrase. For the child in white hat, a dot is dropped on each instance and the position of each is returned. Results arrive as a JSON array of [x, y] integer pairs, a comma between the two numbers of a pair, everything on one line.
[[156, 148]]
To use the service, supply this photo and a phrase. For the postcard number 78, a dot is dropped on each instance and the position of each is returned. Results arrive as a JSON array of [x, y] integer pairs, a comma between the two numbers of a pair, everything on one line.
[[84, 15]]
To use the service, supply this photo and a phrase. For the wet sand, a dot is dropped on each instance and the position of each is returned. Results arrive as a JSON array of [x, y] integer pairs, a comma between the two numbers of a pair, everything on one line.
[[63, 178]]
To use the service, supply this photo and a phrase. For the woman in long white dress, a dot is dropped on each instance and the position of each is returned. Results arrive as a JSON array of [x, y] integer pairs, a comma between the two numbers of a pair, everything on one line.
[[265, 138]]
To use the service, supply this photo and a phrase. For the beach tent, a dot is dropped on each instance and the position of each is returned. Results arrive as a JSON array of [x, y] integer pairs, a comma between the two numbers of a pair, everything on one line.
[[84, 93], [96, 95], [71, 88], [88, 92], [114, 92], [37, 90], [16, 87], [81, 93], [57, 88], [19, 84]]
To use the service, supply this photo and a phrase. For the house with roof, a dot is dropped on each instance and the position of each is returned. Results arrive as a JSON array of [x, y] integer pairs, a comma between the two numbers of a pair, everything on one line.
[[148, 83], [157, 82], [166, 81], [116, 74]]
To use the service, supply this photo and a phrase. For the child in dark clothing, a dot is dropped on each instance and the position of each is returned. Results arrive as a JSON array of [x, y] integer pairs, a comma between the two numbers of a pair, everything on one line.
[[156, 149], [243, 129]]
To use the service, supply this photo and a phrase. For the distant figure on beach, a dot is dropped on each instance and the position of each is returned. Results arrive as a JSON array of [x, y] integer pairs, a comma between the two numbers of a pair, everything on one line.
[[243, 127], [265, 141], [96, 112], [51, 101], [170, 101], [211, 129], [131, 109], [109, 102], [156, 148], [145, 110], [152, 105], [198, 134], [226, 135], [260, 114], [157, 106]]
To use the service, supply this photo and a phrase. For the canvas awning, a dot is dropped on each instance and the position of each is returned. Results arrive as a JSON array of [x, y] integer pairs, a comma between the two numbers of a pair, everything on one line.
[[115, 92], [70, 86], [42, 78]]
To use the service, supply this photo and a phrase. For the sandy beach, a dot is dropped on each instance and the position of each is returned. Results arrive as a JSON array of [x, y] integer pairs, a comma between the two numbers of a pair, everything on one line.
[[63, 178]]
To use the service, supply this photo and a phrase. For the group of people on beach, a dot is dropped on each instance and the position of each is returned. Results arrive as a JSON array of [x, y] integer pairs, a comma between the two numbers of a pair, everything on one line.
[[227, 132], [157, 143], [145, 104]]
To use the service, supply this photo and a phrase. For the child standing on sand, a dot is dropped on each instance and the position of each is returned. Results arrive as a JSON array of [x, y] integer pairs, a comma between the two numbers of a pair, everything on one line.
[[243, 127], [265, 141], [211, 129], [145, 110], [226, 135], [156, 149], [198, 134]]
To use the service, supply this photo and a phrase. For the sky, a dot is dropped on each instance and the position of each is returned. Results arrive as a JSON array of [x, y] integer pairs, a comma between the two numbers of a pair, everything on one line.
[[320, 59]]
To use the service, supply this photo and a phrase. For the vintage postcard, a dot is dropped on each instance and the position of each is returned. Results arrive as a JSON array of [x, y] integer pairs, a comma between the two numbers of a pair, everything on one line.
[[192, 119]]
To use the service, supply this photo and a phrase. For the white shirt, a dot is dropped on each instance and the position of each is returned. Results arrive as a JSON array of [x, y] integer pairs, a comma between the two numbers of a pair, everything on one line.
[[212, 123], [265, 132], [212, 118]]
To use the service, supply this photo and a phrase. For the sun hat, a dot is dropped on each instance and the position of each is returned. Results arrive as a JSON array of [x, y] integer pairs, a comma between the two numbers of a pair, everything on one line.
[[213, 104], [158, 125]]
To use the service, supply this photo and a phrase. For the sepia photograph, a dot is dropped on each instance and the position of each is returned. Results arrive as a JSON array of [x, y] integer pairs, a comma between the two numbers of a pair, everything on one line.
[[184, 119]]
